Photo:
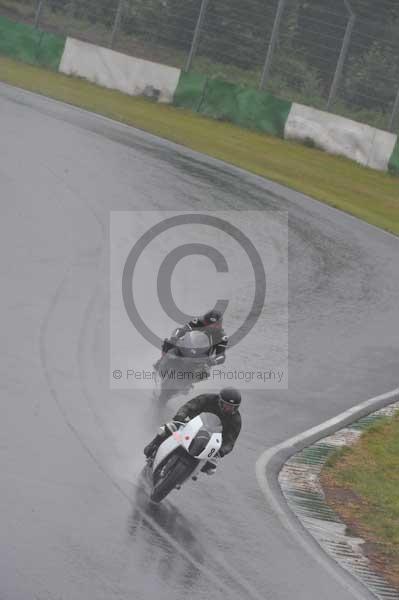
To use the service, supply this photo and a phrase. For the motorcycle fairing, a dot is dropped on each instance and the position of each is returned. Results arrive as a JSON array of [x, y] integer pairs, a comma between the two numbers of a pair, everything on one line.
[[183, 437]]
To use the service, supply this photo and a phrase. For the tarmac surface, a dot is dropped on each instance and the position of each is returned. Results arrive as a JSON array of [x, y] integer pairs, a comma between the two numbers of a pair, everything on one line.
[[74, 522]]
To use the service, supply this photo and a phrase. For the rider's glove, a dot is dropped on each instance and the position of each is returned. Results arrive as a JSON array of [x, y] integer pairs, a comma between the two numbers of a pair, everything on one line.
[[211, 362], [171, 427], [165, 345], [179, 420], [178, 333]]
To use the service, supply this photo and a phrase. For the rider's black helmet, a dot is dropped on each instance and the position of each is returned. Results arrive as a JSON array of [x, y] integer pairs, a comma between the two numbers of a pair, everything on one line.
[[229, 400], [212, 317]]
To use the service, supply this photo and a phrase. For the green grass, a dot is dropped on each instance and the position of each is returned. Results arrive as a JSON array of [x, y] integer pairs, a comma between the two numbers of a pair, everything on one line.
[[369, 472], [365, 193]]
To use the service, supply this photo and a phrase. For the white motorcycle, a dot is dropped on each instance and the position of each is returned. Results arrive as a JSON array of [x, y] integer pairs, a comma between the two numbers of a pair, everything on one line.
[[182, 455]]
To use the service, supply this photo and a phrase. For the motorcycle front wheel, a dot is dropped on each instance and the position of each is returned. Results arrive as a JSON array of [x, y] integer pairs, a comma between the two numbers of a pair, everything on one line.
[[173, 473]]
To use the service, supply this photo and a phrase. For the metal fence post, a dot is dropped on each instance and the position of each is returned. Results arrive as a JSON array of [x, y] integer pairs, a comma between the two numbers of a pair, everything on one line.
[[38, 13], [117, 22], [395, 113], [264, 80], [196, 36], [343, 54]]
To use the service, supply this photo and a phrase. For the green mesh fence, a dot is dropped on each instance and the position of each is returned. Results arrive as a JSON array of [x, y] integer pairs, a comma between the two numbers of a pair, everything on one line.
[[394, 160], [30, 45], [190, 90], [230, 102]]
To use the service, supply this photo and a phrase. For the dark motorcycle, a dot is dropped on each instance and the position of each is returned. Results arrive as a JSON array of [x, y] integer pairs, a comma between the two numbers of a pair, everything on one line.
[[184, 365]]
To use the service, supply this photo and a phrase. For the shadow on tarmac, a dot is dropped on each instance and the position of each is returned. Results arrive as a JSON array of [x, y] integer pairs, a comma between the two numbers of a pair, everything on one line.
[[159, 550]]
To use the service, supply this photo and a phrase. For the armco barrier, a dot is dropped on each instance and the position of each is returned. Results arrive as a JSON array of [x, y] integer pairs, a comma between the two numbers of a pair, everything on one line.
[[117, 71], [30, 45]]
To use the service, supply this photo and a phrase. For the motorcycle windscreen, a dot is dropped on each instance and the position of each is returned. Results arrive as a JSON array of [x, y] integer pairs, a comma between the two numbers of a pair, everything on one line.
[[194, 344], [199, 443], [211, 422], [211, 425]]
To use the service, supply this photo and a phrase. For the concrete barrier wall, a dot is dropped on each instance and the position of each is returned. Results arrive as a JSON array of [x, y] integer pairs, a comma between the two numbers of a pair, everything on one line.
[[366, 145], [117, 71]]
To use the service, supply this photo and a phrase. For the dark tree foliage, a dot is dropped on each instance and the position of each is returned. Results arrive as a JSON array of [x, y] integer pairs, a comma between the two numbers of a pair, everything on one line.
[[370, 79], [237, 32], [92, 11], [371, 75], [170, 22], [319, 35]]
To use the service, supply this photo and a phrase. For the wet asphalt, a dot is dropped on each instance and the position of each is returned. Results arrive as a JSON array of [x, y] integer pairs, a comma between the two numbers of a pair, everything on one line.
[[74, 521]]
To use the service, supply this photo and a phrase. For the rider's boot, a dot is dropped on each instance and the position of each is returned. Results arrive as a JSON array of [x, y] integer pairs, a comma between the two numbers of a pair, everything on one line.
[[209, 468]]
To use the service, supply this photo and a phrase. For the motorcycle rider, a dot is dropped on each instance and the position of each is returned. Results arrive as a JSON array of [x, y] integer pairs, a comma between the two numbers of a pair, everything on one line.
[[211, 324], [225, 405]]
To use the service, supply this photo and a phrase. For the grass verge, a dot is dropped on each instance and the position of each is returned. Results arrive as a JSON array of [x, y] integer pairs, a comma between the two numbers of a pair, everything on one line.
[[341, 183], [361, 483]]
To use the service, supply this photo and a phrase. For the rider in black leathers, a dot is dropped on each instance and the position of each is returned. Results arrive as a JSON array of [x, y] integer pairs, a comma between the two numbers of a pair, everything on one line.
[[211, 324], [225, 405]]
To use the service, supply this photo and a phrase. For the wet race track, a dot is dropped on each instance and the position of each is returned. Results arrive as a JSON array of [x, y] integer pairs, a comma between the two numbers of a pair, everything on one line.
[[74, 521]]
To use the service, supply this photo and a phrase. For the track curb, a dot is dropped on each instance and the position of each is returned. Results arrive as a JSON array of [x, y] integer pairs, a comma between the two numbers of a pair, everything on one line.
[[270, 463]]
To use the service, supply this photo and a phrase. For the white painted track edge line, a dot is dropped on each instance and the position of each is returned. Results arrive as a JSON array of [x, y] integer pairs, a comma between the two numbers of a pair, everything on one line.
[[272, 460]]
